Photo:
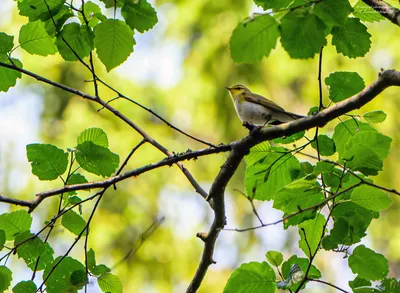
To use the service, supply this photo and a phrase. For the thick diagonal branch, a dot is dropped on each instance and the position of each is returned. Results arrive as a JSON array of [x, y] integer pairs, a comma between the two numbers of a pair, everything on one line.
[[387, 11], [241, 148]]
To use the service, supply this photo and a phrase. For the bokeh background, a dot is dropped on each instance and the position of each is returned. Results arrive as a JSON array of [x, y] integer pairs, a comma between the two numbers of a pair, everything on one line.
[[179, 69]]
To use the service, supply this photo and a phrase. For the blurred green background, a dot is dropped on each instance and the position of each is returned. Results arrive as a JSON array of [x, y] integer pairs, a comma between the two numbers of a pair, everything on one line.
[[179, 70]]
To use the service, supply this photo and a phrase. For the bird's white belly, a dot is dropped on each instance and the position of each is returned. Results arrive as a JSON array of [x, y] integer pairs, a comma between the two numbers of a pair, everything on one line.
[[252, 113]]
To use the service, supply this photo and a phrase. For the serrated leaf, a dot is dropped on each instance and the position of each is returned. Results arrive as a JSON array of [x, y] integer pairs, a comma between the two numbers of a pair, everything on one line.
[[371, 198], [378, 142], [291, 138], [252, 277], [274, 257], [48, 162], [333, 12], [75, 178], [25, 287], [366, 13], [343, 85], [6, 43], [282, 169], [35, 40], [91, 10], [96, 159], [73, 222], [5, 278], [8, 77], [39, 9], [111, 3], [302, 34], [326, 146], [343, 38], [15, 222], [364, 159], [114, 42], [95, 135], [79, 278], [257, 153], [59, 280], [252, 40], [139, 15], [358, 282], [368, 264], [273, 4], [310, 234], [344, 131], [375, 116], [31, 249], [59, 19], [79, 38], [110, 283]]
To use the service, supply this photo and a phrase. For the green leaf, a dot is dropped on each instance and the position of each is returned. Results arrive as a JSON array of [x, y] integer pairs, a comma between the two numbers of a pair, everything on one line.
[[6, 43], [303, 264], [79, 278], [375, 116], [59, 281], [368, 264], [114, 42], [371, 198], [30, 250], [35, 40], [364, 159], [95, 135], [343, 84], [350, 223], [25, 287], [91, 11], [343, 38], [111, 3], [310, 234], [366, 13], [100, 269], [110, 283], [39, 9], [8, 77], [274, 257], [359, 282], [378, 142], [281, 169], [273, 4], [75, 178], [73, 222], [59, 19], [257, 153], [344, 131], [5, 278], [326, 145], [252, 277], [79, 38], [333, 12], [2, 239], [91, 259], [139, 15], [290, 139], [48, 162], [303, 34], [45, 258], [390, 285], [323, 167], [15, 222], [252, 40], [96, 159]]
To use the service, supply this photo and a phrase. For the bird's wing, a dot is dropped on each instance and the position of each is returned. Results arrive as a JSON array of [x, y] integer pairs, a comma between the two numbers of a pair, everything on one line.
[[254, 98]]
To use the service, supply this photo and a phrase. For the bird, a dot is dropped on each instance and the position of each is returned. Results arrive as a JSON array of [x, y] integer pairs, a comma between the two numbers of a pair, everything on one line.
[[256, 110]]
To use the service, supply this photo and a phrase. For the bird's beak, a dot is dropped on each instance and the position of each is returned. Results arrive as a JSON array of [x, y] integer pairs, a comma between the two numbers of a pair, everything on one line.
[[228, 88]]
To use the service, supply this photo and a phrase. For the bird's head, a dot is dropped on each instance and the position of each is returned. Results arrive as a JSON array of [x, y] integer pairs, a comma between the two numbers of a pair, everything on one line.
[[237, 89]]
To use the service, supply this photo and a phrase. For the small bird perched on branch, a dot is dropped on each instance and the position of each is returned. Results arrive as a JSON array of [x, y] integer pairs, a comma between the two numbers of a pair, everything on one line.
[[256, 110]]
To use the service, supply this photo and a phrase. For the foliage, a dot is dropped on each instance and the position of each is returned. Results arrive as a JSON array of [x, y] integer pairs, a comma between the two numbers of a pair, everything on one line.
[[338, 190]]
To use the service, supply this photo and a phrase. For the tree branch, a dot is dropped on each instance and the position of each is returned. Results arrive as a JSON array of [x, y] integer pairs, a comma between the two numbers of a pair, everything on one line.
[[387, 11], [241, 148]]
